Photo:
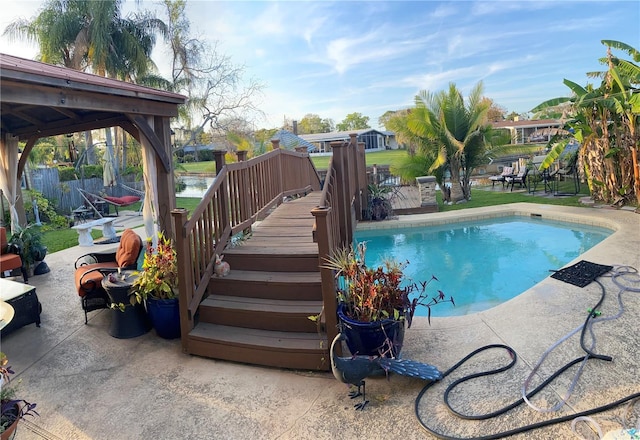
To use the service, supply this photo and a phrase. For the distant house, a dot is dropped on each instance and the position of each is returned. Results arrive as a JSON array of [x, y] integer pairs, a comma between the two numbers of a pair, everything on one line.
[[290, 141], [523, 132], [374, 140]]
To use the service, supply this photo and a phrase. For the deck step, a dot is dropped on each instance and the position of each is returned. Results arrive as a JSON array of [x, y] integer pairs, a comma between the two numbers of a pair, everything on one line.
[[303, 286], [283, 260], [265, 314], [308, 351]]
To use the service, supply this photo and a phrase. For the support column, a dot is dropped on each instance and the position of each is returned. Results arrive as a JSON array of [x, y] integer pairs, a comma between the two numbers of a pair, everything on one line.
[[427, 188]]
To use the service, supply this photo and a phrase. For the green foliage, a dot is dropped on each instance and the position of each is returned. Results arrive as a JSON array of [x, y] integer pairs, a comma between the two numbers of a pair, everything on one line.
[[159, 275], [66, 174], [205, 155], [29, 241], [312, 123], [47, 212], [353, 121], [605, 121], [449, 132]]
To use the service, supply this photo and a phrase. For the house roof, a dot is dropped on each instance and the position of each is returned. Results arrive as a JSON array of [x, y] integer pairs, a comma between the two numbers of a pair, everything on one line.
[[289, 140], [341, 135]]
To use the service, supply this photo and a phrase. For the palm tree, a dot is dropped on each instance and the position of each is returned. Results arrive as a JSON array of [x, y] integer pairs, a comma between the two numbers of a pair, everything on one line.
[[92, 35], [451, 135], [606, 124]]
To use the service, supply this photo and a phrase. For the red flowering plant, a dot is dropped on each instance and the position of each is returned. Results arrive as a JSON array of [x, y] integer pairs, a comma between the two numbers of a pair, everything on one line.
[[159, 275], [375, 294]]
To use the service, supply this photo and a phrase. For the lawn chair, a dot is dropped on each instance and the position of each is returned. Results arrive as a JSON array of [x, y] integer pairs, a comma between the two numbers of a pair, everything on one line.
[[520, 178], [506, 171], [116, 202]]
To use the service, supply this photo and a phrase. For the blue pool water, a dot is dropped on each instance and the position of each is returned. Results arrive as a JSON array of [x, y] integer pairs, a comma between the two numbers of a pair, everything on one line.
[[481, 263]]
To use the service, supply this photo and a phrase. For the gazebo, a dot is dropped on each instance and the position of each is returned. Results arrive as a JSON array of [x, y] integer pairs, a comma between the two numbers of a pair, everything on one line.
[[39, 100]]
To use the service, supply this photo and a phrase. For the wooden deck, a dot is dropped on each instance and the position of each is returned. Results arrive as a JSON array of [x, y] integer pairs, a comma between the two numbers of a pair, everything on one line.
[[259, 313]]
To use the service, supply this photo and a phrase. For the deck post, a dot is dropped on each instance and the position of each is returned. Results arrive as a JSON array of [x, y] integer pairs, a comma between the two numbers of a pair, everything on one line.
[[218, 156], [185, 274], [279, 168], [245, 203], [327, 278], [363, 190], [343, 204]]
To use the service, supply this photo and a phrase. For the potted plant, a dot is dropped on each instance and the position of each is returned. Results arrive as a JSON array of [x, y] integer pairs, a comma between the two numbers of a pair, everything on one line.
[[379, 207], [375, 303], [29, 241], [157, 284], [11, 409]]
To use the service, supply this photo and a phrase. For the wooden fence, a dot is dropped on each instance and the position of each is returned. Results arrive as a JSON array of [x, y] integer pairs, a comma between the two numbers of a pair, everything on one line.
[[65, 195], [240, 194]]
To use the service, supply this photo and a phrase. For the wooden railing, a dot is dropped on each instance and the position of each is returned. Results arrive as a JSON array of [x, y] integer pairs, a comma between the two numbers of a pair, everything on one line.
[[240, 194], [344, 197]]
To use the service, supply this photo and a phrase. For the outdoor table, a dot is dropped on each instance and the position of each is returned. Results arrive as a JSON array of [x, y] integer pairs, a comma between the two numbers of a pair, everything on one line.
[[6, 314], [133, 321]]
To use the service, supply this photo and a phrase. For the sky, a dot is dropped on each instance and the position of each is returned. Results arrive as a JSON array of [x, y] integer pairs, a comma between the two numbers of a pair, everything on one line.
[[336, 58]]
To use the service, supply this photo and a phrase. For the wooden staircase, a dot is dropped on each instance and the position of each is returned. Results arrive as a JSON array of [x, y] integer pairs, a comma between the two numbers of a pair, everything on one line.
[[259, 313]]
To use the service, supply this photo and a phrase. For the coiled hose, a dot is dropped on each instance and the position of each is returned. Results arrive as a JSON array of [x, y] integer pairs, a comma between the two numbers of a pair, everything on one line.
[[625, 272]]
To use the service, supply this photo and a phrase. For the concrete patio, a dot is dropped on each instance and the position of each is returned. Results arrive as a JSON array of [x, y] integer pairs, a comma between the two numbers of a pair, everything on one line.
[[89, 385]]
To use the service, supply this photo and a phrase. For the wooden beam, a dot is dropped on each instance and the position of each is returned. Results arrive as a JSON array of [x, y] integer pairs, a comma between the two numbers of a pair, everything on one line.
[[64, 127], [155, 142], [21, 93], [68, 113]]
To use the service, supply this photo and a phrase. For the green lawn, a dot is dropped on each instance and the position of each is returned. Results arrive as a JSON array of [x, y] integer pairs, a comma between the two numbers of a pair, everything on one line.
[[387, 157]]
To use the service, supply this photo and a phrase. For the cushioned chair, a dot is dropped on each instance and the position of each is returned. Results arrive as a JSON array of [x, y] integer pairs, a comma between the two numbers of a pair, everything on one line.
[[91, 269], [506, 171], [10, 259], [520, 178]]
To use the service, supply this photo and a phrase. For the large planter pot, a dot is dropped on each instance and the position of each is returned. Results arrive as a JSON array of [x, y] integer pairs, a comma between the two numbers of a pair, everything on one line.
[[10, 432], [370, 338], [165, 317]]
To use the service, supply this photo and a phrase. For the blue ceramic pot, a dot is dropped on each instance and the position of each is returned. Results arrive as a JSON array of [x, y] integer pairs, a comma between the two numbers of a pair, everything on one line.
[[165, 317], [372, 338]]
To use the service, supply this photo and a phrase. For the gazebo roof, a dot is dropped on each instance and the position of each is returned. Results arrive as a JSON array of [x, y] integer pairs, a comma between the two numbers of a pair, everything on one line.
[[39, 99]]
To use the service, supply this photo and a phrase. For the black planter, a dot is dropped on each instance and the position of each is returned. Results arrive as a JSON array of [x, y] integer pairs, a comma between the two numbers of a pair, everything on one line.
[[372, 338]]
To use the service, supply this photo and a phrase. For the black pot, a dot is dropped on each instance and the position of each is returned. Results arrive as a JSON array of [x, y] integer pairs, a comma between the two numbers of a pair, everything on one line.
[[372, 338]]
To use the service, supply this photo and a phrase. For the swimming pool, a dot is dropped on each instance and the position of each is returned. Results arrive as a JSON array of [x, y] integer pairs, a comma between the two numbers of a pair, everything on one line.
[[482, 263]]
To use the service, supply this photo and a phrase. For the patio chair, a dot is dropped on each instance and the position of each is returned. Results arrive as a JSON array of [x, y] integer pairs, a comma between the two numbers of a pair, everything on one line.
[[91, 269], [10, 259], [520, 178], [116, 202], [506, 171]]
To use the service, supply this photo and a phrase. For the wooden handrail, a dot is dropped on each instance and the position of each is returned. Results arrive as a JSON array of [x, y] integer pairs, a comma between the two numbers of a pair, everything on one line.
[[340, 207], [239, 195]]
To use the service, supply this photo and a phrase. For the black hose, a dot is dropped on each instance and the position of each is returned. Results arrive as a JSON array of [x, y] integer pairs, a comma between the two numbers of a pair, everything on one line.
[[512, 353]]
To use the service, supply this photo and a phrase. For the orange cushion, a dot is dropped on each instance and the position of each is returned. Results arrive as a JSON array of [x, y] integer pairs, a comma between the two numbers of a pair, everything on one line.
[[10, 262], [130, 245], [93, 279]]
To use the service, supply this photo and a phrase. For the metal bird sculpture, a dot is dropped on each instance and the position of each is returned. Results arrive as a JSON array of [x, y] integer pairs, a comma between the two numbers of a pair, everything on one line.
[[352, 370]]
